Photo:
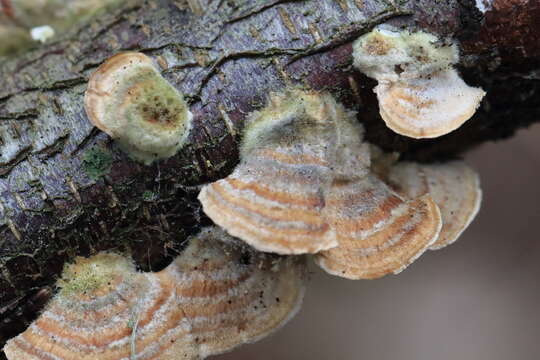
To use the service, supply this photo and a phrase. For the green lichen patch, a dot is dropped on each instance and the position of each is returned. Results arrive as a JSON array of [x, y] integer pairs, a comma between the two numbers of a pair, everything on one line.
[[149, 196], [97, 163]]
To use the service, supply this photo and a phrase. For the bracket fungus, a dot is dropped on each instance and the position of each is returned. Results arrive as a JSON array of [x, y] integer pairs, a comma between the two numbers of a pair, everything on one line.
[[214, 296], [274, 197], [454, 186], [420, 93], [304, 185], [401, 232], [128, 99]]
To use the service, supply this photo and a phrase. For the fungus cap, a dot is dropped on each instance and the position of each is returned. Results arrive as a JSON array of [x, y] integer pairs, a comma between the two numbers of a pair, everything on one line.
[[304, 185], [128, 99], [213, 297], [454, 186], [233, 294], [289, 154], [420, 94], [428, 107], [42, 33], [379, 233], [387, 54]]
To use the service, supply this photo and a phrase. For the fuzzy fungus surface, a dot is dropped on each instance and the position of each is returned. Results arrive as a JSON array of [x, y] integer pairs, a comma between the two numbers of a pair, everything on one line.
[[420, 93], [92, 276], [216, 295], [304, 185], [128, 99]]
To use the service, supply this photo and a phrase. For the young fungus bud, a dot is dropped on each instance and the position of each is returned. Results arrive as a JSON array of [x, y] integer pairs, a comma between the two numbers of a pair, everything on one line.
[[212, 298], [59, 15], [304, 185], [128, 99], [420, 93]]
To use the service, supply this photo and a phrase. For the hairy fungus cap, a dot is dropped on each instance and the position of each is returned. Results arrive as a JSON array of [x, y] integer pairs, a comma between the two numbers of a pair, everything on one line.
[[420, 93], [213, 297], [234, 295], [304, 185], [454, 186], [428, 107], [128, 99], [387, 54], [274, 197], [379, 233]]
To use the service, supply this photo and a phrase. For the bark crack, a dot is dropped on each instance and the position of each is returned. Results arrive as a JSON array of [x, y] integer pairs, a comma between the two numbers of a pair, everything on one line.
[[259, 10]]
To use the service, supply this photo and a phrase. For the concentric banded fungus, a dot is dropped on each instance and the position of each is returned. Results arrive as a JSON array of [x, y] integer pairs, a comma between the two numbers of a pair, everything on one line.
[[420, 93], [274, 198], [454, 186], [304, 185], [233, 295], [379, 233], [128, 99], [212, 298]]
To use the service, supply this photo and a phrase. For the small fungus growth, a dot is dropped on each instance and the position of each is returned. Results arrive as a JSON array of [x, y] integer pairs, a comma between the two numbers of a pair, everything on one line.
[[42, 20], [42, 33], [128, 99], [208, 301], [420, 93], [304, 185]]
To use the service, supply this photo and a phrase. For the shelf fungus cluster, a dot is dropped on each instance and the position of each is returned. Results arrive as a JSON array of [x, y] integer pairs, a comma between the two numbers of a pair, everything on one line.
[[420, 93], [128, 99], [214, 296], [306, 184]]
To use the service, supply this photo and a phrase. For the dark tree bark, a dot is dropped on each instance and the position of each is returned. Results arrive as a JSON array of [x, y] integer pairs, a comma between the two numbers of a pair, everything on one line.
[[66, 190]]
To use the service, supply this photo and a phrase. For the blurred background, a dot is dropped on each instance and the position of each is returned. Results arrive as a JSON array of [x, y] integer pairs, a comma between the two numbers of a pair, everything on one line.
[[476, 299]]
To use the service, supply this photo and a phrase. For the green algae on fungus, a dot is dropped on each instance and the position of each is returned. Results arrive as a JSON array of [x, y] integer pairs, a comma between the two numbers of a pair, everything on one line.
[[149, 196], [128, 99], [90, 276]]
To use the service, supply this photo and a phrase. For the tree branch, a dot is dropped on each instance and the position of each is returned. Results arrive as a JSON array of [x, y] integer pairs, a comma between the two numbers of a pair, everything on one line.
[[65, 188]]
